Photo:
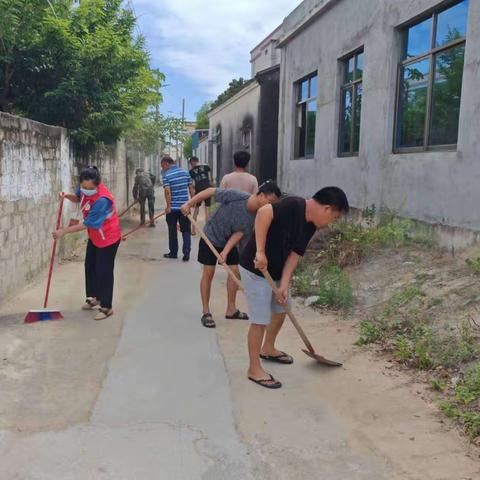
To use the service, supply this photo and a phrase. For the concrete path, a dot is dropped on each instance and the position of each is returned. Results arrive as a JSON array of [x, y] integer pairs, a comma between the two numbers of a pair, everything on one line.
[[164, 411]]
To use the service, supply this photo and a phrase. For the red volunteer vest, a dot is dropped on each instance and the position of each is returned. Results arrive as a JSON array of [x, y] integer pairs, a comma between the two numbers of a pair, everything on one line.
[[110, 231]]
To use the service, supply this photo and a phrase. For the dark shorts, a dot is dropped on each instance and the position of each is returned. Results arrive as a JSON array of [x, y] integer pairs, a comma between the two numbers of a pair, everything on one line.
[[208, 201], [206, 256]]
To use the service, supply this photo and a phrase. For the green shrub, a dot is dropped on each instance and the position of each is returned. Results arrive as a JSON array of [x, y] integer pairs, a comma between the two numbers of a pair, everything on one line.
[[335, 289]]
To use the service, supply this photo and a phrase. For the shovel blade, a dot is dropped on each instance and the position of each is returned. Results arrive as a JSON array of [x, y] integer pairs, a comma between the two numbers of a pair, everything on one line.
[[322, 360]]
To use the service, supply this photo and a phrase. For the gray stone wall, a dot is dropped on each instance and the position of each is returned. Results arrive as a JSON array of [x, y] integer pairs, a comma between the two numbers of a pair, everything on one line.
[[36, 162]]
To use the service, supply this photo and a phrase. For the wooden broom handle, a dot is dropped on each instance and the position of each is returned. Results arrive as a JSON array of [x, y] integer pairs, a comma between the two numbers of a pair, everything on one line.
[[215, 252], [240, 286]]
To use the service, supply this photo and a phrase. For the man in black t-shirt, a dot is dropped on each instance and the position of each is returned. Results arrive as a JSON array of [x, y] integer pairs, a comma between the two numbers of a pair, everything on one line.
[[201, 178], [282, 234]]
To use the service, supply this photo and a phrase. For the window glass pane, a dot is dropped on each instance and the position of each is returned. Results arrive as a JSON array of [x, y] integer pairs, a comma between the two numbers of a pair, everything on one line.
[[412, 104], [447, 90], [300, 131], [359, 69], [349, 65], [346, 122], [419, 38], [310, 134], [357, 115], [313, 86], [452, 24], [303, 91]]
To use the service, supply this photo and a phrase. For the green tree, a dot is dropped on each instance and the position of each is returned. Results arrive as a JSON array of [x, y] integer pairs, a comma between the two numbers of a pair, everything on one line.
[[233, 87], [187, 147], [75, 65], [202, 116]]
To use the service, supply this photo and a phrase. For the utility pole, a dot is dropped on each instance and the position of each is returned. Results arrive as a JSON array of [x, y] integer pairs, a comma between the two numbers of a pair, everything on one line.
[[183, 125]]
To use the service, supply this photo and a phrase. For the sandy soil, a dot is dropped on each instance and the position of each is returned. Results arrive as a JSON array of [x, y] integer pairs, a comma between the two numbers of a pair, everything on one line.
[[366, 420]]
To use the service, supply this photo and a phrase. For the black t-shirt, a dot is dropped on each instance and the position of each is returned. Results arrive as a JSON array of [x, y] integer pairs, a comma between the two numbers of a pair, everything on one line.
[[200, 175], [289, 232]]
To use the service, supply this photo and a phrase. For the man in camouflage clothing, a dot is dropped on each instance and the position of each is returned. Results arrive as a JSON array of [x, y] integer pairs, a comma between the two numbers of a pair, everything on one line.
[[143, 190]]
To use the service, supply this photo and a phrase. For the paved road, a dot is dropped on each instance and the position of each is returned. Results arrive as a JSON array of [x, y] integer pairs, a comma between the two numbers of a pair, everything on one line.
[[164, 411]]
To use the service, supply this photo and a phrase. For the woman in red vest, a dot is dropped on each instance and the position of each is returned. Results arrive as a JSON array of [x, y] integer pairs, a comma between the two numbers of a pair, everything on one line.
[[102, 223]]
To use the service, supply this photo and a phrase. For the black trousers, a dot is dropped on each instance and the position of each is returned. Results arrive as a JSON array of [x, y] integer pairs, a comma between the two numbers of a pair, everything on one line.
[[151, 206], [173, 218], [99, 265]]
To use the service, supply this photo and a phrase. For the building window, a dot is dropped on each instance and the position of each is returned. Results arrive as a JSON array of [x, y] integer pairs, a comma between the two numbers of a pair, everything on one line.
[[246, 138], [430, 80], [351, 104], [306, 116]]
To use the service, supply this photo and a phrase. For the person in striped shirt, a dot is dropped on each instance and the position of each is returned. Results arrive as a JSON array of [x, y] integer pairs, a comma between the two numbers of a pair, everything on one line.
[[178, 187]]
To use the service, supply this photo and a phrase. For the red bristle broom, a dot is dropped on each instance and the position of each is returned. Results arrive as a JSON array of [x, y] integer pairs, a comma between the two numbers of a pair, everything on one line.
[[45, 314]]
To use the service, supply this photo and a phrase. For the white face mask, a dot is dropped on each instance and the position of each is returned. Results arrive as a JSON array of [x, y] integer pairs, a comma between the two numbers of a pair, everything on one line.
[[88, 193]]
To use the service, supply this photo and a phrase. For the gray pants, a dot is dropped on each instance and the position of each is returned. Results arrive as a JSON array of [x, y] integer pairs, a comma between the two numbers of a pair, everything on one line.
[[261, 300]]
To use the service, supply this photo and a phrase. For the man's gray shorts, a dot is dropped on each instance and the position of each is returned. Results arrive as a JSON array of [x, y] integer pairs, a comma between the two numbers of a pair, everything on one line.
[[260, 299]]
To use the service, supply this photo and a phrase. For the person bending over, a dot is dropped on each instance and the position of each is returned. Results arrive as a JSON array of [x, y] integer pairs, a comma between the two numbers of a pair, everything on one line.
[[282, 234], [228, 227]]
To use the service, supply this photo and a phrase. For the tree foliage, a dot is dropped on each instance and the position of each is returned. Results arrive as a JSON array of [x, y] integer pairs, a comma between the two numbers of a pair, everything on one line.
[[75, 64], [202, 116], [154, 131], [233, 87], [187, 147]]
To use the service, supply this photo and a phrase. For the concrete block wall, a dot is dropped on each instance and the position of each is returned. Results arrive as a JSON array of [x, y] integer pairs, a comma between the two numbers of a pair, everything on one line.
[[36, 162]]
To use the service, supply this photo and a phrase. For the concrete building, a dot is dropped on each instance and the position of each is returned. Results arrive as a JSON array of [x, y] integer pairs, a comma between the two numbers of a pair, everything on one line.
[[249, 120], [362, 109]]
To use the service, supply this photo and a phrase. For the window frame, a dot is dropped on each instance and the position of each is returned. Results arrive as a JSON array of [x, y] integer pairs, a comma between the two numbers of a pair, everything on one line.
[[352, 85], [296, 90], [431, 55]]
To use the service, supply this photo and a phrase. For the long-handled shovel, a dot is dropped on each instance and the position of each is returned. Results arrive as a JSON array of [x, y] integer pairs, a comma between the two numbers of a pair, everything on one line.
[[138, 227], [310, 350], [46, 314]]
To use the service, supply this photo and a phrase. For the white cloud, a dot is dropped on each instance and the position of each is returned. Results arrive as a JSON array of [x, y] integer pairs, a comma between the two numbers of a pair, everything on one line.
[[208, 42]]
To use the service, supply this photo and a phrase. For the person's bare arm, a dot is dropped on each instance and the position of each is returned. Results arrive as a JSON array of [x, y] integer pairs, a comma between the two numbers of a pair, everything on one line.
[[65, 231], [233, 241], [198, 198], [287, 274], [262, 225], [69, 196], [191, 189], [168, 199]]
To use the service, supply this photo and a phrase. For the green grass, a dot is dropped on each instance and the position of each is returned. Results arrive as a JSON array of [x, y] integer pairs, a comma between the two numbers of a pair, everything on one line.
[[474, 264], [331, 285], [464, 404]]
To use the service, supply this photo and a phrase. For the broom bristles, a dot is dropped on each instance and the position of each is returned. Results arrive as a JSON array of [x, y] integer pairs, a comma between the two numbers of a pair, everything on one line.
[[42, 316]]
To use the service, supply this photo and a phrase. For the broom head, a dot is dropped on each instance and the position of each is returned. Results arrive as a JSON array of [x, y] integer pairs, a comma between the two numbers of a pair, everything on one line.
[[42, 315]]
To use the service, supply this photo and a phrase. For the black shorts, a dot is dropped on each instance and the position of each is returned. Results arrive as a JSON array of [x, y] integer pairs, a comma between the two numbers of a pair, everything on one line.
[[207, 257], [208, 201]]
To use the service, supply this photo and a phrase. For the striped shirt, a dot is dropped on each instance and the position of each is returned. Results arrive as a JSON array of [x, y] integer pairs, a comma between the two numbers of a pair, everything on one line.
[[177, 180]]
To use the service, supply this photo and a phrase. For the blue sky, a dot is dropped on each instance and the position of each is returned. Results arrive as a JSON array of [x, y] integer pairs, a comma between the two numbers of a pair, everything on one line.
[[201, 45]]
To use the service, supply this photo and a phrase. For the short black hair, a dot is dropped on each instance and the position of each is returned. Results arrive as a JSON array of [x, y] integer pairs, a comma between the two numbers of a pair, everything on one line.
[[139, 170], [241, 159], [167, 159], [333, 196], [91, 173], [269, 187], [194, 159]]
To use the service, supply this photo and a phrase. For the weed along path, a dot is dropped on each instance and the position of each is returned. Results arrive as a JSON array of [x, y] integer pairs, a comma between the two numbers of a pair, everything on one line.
[[150, 394]]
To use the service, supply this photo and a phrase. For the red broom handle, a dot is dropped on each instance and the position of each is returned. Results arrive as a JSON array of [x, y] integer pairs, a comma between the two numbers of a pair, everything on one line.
[[127, 209], [54, 249], [138, 227]]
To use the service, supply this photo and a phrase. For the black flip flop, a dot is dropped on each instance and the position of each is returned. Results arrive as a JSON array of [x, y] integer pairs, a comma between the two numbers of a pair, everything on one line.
[[288, 360], [238, 315], [207, 321], [267, 382]]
